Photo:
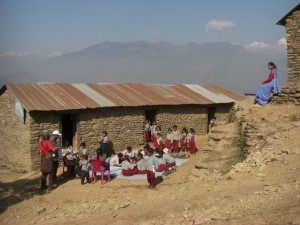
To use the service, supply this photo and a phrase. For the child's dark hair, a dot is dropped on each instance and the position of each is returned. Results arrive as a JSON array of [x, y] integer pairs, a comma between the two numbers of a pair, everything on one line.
[[169, 129], [129, 148], [82, 144], [104, 132], [184, 130], [127, 158], [159, 152], [192, 130], [175, 126], [147, 146], [85, 156], [140, 155], [150, 150], [272, 64]]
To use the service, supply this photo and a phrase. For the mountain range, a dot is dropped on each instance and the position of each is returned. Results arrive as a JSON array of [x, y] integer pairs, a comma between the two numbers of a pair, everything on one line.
[[231, 66]]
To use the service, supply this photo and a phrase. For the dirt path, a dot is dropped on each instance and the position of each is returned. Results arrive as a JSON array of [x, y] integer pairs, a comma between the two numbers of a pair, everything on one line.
[[264, 189]]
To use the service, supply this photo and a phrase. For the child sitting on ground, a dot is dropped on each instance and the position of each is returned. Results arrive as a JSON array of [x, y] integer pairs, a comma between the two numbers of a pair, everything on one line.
[[128, 168], [141, 164]]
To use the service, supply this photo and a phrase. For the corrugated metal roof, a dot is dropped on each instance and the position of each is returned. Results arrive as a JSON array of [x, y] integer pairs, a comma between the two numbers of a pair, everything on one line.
[[65, 96]]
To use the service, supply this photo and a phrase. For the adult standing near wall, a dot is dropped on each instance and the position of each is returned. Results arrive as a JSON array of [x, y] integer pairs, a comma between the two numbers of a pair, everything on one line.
[[46, 149], [53, 139]]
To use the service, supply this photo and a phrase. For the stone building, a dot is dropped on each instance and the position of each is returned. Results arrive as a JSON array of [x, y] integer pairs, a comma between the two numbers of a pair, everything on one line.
[[291, 92], [82, 111]]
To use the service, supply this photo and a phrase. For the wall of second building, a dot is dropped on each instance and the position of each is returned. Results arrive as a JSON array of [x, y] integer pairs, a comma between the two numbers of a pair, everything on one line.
[[291, 92], [14, 136]]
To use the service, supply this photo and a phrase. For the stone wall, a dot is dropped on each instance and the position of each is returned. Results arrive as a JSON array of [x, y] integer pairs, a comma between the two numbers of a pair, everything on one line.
[[291, 92], [14, 136], [124, 126], [40, 122], [182, 116], [224, 113]]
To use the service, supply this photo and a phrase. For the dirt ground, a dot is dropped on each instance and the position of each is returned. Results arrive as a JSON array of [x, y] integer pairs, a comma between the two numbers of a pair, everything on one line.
[[264, 189]]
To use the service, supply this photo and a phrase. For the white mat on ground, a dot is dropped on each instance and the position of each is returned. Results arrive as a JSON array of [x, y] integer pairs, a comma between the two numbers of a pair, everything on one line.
[[116, 172]]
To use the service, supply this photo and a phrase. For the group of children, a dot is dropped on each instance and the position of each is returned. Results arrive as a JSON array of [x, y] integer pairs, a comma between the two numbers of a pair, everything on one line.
[[146, 161], [175, 141]]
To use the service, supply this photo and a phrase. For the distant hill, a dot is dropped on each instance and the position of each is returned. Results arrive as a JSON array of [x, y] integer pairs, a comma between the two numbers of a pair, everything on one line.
[[231, 66]]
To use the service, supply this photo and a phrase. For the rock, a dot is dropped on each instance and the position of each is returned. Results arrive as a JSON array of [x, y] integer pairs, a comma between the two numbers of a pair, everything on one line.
[[296, 221], [216, 131], [208, 149], [124, 205], [40, 210], [200, 166], [215, 137], [285, 152], [196, 173], [261, 175]]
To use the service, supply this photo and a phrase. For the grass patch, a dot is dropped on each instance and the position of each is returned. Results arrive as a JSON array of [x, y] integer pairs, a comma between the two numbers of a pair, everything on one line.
[[239, 154]]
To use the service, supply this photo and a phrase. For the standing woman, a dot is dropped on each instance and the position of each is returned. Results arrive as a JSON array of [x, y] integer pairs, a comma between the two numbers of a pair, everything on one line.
[[263, 94], [47, 167]]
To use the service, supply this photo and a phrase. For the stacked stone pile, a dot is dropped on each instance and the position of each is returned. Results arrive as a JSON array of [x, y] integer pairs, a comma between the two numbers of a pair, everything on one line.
[[288, 95]]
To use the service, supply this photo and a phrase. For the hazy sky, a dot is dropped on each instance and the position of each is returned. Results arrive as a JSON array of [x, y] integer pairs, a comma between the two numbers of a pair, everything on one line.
[[60, 26]]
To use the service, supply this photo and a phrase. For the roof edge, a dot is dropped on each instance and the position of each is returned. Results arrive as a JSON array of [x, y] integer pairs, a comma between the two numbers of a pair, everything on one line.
[[283, 19], [3, 89]]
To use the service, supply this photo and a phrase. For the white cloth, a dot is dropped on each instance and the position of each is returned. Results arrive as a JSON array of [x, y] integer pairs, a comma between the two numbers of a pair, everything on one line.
[[114, 160]]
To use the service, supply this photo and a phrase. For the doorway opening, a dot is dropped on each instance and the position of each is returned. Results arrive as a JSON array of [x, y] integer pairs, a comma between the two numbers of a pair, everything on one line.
[[211, 113], [69, 129], [150, 115]]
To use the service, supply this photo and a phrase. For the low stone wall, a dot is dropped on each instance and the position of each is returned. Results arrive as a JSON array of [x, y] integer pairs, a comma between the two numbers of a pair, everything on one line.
[[14, 136], [288, 96]]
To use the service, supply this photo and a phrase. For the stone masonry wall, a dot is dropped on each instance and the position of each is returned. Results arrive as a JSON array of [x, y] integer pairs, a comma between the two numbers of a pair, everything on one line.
[[124, 127], [291, 92], [14, 136], [41, 122], [182, 116], [224, 113]]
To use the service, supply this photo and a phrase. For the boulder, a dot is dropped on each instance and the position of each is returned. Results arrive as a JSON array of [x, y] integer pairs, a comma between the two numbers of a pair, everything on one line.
[[208, 148], [200, 166], [215, 137]]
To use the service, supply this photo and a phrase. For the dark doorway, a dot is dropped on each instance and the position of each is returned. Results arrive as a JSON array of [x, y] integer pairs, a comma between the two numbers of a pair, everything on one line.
[[69, 129], [150, 115], [211, 113]]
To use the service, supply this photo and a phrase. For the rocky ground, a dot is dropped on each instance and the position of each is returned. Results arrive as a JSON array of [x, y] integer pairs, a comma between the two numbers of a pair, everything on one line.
[[214, 187]]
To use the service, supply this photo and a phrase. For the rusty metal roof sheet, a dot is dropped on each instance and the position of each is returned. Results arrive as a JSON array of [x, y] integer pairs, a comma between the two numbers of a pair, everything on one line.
[[66, 96]]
